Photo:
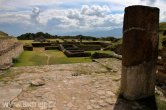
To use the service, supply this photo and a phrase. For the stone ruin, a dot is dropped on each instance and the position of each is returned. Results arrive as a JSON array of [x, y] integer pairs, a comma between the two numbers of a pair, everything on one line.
[[71, 50], [161, 74], [10, 49], [140, 52]]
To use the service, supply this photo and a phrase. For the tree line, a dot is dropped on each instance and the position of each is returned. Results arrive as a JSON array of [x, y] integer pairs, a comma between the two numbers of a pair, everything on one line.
[[33, 36]]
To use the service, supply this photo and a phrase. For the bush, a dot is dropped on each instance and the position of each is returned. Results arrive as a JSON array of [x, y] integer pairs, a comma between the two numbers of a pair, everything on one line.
[[118, 49]]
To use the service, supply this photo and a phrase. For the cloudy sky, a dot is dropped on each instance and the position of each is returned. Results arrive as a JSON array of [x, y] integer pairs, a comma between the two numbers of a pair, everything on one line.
[[69, 17]]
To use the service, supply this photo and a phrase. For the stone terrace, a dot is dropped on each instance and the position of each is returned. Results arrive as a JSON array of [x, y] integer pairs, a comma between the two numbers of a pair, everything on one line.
[[86, 86]]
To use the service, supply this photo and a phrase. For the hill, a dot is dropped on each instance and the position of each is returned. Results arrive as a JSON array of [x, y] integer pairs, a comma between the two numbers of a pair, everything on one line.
[[3, 34]]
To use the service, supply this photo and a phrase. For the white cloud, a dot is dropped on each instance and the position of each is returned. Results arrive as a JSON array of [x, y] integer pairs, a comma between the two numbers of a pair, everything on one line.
[[95, 16], [149, 2], [45, 15], [163, 16], [35, 15], [96, 10], [14, 17]]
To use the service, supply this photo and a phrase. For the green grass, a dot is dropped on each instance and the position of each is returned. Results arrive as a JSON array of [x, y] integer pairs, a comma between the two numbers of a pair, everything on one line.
[[161, 104], [163, 26], [38, 57], [31, 58], [57, 57], [29, 42], [26, 41], [57, 39]]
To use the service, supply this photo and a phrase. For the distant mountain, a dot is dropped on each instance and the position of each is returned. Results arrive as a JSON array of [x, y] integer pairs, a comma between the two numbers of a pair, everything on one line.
[[99, 33], [114, 32]]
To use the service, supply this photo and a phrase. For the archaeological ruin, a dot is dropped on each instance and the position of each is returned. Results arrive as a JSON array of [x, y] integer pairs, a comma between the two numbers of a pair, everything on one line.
[[140, 51], [10, 49], [73, 51]]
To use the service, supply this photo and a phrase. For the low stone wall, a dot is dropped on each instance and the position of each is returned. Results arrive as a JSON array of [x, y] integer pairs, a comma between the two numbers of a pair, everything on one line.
[[9, 50]]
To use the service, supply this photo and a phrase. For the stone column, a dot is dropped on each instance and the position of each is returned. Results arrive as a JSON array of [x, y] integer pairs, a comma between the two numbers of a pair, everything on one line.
[[140, 51]]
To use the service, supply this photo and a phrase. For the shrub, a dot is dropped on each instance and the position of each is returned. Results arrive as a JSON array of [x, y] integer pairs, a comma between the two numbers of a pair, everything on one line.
[[118, 49]]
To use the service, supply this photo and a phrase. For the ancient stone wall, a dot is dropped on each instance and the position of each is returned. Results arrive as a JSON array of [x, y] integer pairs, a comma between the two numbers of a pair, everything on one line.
[[10, 48], [7, 43]]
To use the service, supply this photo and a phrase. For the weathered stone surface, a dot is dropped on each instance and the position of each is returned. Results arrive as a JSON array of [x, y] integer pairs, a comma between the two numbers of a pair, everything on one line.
[[142, 17], [140, 34], [140, 51], [65, 91], [10, 48], [8, 94], [138, 81], [138, 47], [76, 93], [37, 82]]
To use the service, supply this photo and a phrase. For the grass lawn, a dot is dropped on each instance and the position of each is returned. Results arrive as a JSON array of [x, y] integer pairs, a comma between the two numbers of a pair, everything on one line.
[[57, 57], [57, 39], [26, 41], [41, 57], [161, 104], [31, 58]]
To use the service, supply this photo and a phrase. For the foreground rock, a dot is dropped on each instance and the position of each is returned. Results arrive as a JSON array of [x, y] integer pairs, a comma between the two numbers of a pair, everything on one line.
[[38, 82]]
